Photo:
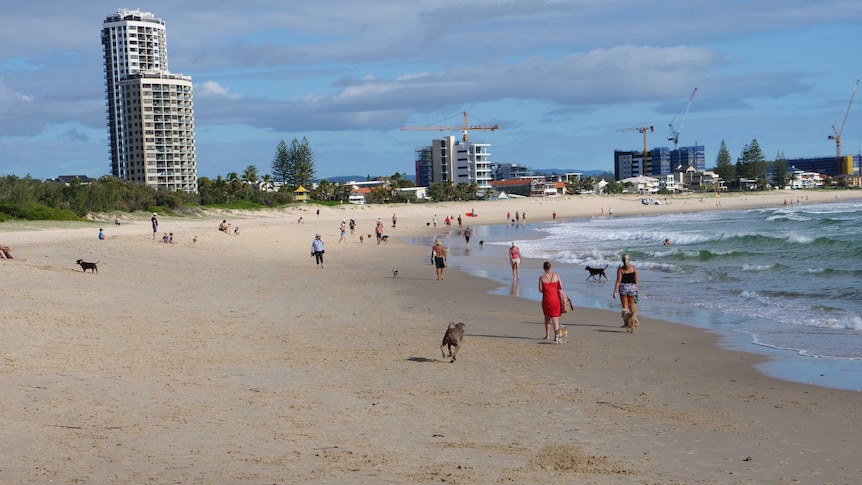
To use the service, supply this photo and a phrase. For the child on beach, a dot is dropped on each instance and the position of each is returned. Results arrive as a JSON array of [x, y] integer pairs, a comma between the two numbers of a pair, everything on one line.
[[5, 252]]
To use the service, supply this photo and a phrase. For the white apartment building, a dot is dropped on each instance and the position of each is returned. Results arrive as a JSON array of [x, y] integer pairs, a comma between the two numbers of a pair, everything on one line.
[[458, 162], [150, 110], [801, 179], [473, 165]]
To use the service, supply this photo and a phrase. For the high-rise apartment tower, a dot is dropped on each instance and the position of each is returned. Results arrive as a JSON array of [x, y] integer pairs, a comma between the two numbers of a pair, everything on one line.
[[150, 110]]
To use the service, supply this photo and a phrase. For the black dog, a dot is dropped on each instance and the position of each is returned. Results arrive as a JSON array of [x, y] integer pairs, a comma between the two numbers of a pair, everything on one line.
[[482, 243], [597, 273], [88, 266]]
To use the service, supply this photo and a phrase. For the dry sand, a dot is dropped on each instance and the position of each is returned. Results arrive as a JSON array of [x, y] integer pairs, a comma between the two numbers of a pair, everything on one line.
[[235, 360]]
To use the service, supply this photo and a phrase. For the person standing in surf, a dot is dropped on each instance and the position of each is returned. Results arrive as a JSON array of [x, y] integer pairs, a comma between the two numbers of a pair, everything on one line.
[[515, 260]]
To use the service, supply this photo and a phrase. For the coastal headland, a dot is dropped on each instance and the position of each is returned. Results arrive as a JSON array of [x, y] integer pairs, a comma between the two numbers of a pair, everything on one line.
[[233, 359]]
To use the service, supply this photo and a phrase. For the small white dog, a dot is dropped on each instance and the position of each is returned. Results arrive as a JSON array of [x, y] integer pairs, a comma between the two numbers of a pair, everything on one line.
[[395, 272]]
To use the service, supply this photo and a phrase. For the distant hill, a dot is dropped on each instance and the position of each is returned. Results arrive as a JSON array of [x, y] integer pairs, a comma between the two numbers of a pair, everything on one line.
[[346, 178], [585, 173], [538, 171], [359, 178]]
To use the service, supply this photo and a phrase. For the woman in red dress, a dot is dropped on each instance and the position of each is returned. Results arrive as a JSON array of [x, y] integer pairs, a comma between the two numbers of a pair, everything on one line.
[[549, 286]]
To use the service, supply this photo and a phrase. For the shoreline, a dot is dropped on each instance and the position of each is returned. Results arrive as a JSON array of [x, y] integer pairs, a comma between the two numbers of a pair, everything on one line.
[[781, 363], [234, 359]]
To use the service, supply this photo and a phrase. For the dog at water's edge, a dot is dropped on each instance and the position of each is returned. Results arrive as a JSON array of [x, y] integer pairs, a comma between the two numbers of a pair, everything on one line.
[[597, 273]]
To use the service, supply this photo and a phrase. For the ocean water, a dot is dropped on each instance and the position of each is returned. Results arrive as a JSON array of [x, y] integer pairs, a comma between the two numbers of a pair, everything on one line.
[[781, 281]]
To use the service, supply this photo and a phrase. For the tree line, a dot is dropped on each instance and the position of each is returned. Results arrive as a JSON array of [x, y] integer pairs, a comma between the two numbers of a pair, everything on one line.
[[753, 165], [293, 166]]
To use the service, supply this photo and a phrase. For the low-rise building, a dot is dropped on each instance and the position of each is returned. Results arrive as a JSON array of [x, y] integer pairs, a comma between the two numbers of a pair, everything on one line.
[[642, 184], [693, 179], [854, 181], [547, 188], [806, 180]]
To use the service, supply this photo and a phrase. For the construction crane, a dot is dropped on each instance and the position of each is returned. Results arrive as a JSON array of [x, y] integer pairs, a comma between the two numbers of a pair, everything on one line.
[[643, 129], [463, 128], [674, 134], [837, 133]]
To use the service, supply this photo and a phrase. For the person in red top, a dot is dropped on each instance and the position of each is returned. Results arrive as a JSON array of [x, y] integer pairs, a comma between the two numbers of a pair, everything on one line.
[[549, 286], [515, 259]]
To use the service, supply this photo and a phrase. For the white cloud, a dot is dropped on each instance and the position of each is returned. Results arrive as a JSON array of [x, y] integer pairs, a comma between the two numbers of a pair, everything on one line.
[[10, 95], [213, 89]]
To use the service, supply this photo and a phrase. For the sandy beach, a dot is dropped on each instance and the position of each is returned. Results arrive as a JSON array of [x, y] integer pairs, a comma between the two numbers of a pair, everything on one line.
[[234, 359]]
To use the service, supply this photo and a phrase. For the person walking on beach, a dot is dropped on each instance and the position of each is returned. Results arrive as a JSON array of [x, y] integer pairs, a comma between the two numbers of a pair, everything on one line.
[[343, 229], [517, 218], [627, 284], [155, 222], [394, 220], [317, 249], [550, 286], [379, 230], [435, 221], [555, 216], [438, 252], [515, 259], [467, 234], [459, 222]]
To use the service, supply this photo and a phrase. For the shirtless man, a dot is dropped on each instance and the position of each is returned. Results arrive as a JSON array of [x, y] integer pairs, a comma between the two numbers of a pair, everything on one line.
[[438, 252]]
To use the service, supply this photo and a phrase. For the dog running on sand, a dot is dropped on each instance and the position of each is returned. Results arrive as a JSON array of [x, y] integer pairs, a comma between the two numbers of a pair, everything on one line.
[[395, 272], [452, 338], [88, 266], [630, 320]]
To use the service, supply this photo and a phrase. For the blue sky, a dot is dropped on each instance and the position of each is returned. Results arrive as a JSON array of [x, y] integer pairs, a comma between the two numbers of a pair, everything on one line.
[[560, 77]]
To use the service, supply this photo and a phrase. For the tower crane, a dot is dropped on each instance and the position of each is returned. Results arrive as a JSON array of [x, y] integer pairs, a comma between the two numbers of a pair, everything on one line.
[[674, 134], [643, 129], [837, 133], [464, 128]]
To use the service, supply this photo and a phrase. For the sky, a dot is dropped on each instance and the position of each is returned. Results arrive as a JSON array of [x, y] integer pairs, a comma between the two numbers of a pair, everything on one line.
[[562, 78]]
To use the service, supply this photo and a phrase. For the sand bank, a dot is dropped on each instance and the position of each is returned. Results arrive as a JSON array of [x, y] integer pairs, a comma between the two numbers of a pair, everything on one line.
[[234, 360]]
